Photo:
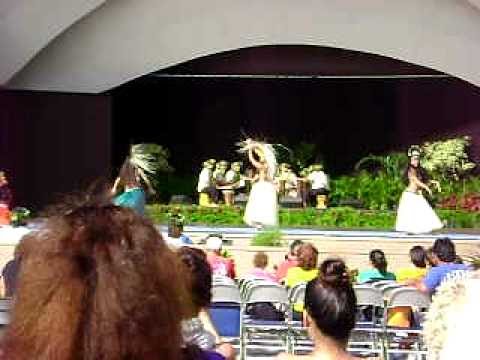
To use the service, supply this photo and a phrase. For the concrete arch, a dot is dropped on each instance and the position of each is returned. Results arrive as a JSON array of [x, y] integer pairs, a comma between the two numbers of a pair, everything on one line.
[[125, 39], [27, 26]]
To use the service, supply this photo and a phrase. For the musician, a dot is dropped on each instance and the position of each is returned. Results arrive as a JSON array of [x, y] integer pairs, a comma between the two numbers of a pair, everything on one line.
[[233, 182], [206, 182], [320, 186]]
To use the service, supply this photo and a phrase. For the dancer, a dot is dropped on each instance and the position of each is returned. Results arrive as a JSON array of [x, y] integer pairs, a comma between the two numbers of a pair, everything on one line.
[[5, 200], [262, 204], [415, 214], [134, 174]]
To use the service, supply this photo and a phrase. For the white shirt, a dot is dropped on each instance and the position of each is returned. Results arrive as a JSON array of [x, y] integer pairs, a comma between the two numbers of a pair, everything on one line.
[[319, 180], [204, 180]]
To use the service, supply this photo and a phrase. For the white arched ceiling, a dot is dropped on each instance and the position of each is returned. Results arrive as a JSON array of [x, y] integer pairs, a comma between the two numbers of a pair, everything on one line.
[[124, 39], [27, 26]]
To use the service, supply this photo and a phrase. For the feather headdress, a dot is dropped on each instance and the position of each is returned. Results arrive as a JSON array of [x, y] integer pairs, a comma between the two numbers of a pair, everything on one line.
[[144, 162], [267, 150]]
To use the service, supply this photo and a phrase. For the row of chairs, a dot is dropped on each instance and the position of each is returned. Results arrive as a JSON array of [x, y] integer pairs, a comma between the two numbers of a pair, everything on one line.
[[230, 313]]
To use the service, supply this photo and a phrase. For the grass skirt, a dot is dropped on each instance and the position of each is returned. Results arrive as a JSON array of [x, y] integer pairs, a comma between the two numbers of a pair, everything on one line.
[[262, 205], [415, 215]]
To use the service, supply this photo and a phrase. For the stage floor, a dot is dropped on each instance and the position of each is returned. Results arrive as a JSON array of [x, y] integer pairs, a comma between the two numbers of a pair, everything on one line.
[[351, 245]]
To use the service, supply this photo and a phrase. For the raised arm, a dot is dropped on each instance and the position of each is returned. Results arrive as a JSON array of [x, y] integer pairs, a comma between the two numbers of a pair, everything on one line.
[[116, 185], [252, 159]]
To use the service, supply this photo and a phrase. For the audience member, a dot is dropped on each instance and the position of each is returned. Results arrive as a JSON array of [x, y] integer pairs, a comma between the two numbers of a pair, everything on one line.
[[304, 272], [418, 258], [10, 272], [97, 282], [199, 329], [176, 237], [444, 256], [260, 262], [290, 260], [431, 258], [306, 268], [220, 265], [451, 324], [378, 270], [330, 305]]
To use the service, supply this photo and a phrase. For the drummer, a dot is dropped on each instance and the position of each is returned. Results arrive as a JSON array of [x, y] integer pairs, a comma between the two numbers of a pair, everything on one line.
[[288, 180], [320, 186], [233, 182]]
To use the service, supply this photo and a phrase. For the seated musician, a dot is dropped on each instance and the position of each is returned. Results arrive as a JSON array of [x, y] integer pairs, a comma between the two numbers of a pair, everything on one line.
[[205, 181], [287, 181], [234, 181], [320, 187]]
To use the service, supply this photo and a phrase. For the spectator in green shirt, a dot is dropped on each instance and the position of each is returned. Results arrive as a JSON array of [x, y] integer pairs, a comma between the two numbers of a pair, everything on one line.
[[378, 271]]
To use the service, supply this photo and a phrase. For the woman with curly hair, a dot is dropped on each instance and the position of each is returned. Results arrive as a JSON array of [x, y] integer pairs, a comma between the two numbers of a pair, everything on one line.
[[97, 282], [199, 330]]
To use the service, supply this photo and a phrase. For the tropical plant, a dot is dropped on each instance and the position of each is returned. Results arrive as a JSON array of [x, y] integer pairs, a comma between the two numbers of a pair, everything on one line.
[[303, 154], [447, 159], [393, 164], [267, 238]]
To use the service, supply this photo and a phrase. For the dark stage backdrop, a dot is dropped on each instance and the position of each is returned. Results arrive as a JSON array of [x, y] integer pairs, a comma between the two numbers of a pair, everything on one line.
[[52, 143], [199, 118]]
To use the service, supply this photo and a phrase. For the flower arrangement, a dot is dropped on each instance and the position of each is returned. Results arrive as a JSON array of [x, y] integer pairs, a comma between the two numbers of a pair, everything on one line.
[[19, 216]]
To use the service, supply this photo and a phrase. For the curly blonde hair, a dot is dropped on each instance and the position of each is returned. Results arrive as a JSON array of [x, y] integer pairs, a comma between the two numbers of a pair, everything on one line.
[[449, 317]]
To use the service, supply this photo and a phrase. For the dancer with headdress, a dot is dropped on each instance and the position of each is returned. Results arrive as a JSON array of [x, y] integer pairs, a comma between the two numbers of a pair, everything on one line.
[[262, 205], [414, 214], [133, 178]]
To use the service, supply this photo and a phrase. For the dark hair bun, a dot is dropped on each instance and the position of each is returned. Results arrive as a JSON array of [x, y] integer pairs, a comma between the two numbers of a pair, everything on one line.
[[334, 272]]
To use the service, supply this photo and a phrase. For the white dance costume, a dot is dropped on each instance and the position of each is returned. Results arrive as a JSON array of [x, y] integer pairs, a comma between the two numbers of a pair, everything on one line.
[[262, 205], [415, 215]]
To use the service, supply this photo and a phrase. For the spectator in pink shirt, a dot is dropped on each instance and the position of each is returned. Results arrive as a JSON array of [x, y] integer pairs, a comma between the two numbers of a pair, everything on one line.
[[260, 262], [289, 262]]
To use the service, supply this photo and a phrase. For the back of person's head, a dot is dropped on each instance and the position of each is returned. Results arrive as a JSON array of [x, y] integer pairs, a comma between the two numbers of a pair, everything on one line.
[[260, 260], [444, 249], [214, 243], [378, 260], [307, 256], [200, 275], [97, 282], [418, 256], [431, 257], [450, 328], [294, 246], [331, 302]]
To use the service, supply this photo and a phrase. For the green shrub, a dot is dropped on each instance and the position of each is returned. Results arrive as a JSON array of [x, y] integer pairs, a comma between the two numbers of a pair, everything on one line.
[[335, 217], [267, 238]]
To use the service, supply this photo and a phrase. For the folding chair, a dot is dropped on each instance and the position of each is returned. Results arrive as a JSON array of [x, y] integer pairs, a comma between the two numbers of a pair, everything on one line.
[[367, 334], [401, 337], [225, 310], [298, 337], [382, 283], [5, 307], [264, 334]]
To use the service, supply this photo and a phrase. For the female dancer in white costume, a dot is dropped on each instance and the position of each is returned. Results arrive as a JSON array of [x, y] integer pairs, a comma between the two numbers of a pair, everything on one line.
[[262, 205], [415, 214]]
